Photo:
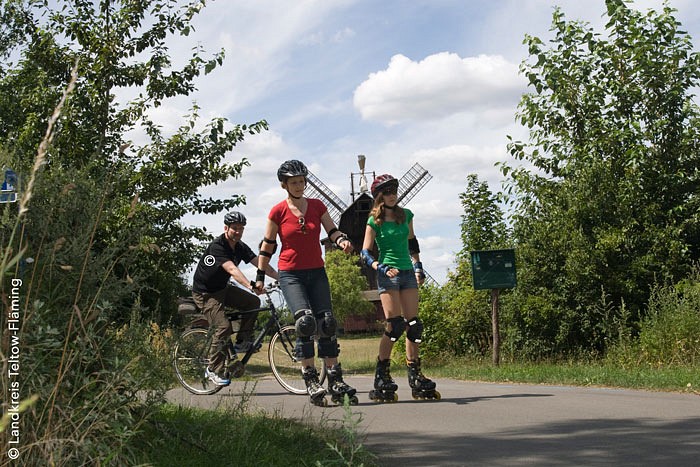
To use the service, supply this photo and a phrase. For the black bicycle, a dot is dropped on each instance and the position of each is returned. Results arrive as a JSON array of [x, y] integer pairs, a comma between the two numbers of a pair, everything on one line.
[[191, 353]]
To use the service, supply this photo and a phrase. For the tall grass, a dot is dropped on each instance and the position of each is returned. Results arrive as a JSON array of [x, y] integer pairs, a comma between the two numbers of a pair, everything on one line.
[[91, 398]]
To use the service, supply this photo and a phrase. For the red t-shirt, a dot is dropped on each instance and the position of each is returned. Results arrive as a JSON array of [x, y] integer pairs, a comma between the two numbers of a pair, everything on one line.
[[300, 250]]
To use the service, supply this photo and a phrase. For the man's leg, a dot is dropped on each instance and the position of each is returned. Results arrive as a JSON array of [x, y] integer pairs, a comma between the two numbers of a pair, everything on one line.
[[241, 300], [213, 310]]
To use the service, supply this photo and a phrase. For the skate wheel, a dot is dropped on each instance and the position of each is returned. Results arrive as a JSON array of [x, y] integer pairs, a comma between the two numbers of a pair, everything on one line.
[[382, 398], [434, 396]]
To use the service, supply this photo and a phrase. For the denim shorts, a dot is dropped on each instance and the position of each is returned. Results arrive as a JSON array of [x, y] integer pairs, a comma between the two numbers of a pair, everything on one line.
[[406, 279]]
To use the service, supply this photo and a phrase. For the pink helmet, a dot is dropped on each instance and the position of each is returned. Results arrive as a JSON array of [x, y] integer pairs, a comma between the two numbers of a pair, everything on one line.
[[383, 182]]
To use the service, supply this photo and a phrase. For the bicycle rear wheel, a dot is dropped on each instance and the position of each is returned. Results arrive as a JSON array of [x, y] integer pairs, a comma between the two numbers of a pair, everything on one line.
[[285, 366], [190, 360]]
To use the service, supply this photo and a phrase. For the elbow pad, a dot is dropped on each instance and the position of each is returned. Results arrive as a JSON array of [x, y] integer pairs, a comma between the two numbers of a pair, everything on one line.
[[269, 242], [413, 247], [367, 257]]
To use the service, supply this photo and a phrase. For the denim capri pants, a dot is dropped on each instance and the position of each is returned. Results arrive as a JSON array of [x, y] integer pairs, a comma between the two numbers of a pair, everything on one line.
[[309, 289]]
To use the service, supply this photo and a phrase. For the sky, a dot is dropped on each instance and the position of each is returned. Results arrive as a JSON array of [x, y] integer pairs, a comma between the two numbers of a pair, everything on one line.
[[433, 82]]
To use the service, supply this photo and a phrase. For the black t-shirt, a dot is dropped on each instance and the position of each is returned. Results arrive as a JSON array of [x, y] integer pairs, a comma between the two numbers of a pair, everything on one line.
[[210, 277]]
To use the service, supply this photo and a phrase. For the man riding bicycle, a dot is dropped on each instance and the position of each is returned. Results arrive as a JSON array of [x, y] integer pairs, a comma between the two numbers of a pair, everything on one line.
[[212, 292]]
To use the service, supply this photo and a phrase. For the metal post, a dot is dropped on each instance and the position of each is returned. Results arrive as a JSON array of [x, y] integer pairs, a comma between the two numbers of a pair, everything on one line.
[[494, 323]]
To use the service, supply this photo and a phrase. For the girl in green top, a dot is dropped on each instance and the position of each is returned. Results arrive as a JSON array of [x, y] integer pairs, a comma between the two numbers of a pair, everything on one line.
[[399, 271]]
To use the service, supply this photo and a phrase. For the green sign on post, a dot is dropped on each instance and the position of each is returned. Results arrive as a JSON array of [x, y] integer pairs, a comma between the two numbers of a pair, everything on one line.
[[493, 269]]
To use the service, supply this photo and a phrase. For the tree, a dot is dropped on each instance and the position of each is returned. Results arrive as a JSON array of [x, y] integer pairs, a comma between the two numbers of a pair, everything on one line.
[[144, 189], [611, 202], [347, 285], [103, 224], [482, 226]]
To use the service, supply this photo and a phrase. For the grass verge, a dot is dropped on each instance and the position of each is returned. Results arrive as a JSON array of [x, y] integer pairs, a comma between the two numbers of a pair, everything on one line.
[[190, 437], [358, 354], [675, 379]]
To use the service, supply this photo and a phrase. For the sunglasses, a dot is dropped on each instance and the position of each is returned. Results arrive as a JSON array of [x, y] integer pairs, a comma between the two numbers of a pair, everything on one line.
[[389, 191], [302, 224]]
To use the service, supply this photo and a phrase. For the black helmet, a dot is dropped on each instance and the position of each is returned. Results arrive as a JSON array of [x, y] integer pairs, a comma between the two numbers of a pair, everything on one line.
[[234, 217], [383, 182], [291, 168]]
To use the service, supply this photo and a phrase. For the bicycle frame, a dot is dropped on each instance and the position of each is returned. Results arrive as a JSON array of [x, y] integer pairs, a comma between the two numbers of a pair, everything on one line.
[[191, 352], [271, 326]]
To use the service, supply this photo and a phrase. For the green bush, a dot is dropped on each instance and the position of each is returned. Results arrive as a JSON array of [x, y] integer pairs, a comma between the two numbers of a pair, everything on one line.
[[670, 332], [456, 321], [347, 283], [93, 391]]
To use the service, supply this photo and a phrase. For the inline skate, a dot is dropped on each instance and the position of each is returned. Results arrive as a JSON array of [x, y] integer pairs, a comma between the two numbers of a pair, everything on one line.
[[337, 388], [421, 387], [384, 385], [316, 392]]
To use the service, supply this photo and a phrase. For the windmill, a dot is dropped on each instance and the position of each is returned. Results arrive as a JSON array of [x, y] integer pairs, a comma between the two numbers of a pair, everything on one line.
[[352, 218]]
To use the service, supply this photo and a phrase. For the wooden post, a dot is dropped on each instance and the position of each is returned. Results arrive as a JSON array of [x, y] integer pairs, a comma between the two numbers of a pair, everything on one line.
[[494, 324]]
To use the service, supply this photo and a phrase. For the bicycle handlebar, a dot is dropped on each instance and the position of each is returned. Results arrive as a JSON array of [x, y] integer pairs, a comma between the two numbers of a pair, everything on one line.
[[271, 287]]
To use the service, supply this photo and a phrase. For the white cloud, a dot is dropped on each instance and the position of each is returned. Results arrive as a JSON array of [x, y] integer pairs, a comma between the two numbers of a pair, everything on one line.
[[437, 86], [312, 68]]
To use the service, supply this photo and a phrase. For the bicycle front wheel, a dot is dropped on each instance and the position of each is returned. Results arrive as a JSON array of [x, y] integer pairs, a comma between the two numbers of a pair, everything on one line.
[[285, 366], [190, 360]]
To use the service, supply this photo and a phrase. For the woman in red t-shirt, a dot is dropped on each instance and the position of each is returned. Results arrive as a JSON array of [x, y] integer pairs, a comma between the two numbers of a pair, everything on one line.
[[297, 221]]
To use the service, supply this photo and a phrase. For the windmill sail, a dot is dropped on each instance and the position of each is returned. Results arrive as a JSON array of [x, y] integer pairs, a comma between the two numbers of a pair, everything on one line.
[[412, 182], [317, 189]]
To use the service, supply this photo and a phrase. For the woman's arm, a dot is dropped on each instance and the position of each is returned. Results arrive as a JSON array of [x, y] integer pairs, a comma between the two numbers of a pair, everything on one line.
[[336, 236], [267, 248], [414, 251]]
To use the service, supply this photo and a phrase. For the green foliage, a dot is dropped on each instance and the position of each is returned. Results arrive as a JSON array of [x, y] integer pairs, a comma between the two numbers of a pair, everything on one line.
[[234, 436], [482, 226], [533, 327], [456, 321], [121, 49], [148, 347], [669, 335], [612, 200], [457, 318], [97, 242], [347, 285], [90, 403]]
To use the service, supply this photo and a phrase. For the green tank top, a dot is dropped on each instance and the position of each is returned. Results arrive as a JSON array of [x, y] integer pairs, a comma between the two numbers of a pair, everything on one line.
[[392, 241]]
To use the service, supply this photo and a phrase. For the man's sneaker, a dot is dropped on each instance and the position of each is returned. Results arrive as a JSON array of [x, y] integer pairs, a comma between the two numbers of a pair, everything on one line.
[[242, 347], [216, 379]]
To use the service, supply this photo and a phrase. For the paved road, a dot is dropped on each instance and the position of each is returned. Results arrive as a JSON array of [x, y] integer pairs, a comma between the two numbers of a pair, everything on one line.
[[505, 424]]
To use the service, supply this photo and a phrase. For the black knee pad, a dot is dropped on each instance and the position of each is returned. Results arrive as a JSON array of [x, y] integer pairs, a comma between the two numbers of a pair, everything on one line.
[[328, 347], [327, 325], [305, 323], [304, 347], [397, 327], [415, 330]]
